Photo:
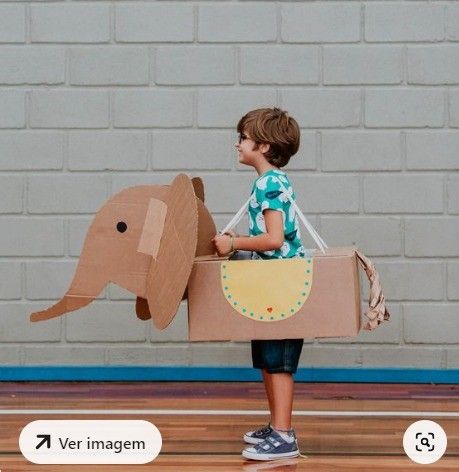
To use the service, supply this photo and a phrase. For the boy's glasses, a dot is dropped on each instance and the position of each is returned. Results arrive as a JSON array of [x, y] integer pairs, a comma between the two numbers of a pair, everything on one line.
[[242, 137]]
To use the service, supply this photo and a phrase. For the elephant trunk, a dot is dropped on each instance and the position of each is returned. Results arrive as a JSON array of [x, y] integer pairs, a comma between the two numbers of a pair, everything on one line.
[[79, 294], [66, 304]]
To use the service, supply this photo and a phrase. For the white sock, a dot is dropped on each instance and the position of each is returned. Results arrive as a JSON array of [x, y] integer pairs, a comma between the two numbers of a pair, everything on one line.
[[285, 436]]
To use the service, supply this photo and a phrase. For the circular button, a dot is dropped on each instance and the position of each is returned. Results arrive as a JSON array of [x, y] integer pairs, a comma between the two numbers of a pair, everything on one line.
[[424, 442]]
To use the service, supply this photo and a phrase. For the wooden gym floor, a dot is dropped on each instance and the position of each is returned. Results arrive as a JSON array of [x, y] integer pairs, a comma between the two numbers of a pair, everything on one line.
[[340, 427]]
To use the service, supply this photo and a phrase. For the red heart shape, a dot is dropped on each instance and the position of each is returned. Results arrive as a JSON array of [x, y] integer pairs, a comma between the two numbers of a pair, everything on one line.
[[270, 309]]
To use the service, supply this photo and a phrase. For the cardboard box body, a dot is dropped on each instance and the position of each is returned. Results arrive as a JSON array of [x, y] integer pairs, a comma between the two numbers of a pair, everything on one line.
[[332, 308]]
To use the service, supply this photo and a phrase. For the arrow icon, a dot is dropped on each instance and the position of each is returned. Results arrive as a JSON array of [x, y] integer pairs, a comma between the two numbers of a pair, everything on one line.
[[46, 438]]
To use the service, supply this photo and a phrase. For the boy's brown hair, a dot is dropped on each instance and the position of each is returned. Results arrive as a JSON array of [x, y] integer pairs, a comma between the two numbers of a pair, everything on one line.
[[274, 127]]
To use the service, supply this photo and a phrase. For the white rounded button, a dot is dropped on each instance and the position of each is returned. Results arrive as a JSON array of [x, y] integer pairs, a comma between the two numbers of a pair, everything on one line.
[[425, 442], [90, 442]]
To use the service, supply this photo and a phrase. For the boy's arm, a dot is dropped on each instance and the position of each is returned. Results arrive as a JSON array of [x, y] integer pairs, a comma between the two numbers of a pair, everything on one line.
[[272, 239]]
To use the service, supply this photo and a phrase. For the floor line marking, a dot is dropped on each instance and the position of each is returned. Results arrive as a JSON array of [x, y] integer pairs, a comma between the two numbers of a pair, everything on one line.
[[232, 412]]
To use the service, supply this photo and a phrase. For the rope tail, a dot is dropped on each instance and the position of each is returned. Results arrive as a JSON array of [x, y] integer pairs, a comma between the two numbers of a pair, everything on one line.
[[377, 311]]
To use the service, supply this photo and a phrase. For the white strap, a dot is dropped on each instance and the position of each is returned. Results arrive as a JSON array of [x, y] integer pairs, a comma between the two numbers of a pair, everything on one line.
[[315, 235], [238, 216]]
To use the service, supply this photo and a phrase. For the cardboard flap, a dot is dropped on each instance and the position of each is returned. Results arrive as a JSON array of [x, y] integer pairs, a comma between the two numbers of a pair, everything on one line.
[[153, 228], [210, 257], [336, 251], [169, 273]]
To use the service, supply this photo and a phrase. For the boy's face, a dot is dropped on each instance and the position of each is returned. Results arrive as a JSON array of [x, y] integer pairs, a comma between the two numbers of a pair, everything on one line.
[[245, 146]]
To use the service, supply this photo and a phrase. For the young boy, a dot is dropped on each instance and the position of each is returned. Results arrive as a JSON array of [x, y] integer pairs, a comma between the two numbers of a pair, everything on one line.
[[267, 139]]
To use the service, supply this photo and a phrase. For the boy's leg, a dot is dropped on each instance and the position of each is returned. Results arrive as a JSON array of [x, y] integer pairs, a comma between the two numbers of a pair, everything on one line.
[[278, 360], [269, 391], [259, 363], [281, 385], [259, 435], [281, 442], [281, 360]]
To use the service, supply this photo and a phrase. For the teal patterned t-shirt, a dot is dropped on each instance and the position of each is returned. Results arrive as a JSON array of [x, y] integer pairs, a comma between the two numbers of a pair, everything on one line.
[[266, 194]]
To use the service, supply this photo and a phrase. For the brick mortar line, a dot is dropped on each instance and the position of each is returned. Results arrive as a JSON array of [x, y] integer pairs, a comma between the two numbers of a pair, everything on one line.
[[226, 87]]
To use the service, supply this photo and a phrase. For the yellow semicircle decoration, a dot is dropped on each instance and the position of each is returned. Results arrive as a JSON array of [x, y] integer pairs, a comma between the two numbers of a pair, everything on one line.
[[267, 290]]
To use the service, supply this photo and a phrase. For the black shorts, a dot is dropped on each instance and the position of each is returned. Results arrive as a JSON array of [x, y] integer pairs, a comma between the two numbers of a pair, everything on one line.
[[277, 355]]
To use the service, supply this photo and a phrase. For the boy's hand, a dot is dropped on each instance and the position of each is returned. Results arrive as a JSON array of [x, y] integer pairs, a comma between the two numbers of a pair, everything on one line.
[[222, 243]]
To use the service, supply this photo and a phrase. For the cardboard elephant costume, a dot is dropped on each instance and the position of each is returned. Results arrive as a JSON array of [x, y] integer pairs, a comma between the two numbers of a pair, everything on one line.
[[155, 241]]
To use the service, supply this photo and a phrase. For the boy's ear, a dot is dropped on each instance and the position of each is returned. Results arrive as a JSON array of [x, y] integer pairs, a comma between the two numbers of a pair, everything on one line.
[[264, 147]]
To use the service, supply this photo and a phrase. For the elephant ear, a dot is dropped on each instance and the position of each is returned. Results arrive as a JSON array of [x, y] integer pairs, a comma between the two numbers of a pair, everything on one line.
[[141, 309], [169, 271], [198, 186]]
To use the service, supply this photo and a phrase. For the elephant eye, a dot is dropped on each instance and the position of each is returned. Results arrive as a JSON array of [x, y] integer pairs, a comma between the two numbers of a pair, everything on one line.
[[121, 226]]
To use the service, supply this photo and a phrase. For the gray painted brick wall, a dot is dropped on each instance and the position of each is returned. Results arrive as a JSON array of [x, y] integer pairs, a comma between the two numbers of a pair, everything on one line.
[[30, 150], [12, 23], [77, 22], [12, 106], [69, 109], [99, 96], [320, 22], [153, 108], [400, 21], [454, 108], [148, 22], [194, 65], [32, 65], [109, 65]]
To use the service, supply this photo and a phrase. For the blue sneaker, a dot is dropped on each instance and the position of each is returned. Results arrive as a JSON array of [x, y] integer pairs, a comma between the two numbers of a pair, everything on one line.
[[273, 447], [258, 436]]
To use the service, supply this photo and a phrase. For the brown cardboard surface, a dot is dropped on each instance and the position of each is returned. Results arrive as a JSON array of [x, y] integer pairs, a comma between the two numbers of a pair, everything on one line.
[[168, 274], [198, 186], [111, 255], [331, 310], [155, 241], [206, 231], [335, 251], [153, 228]]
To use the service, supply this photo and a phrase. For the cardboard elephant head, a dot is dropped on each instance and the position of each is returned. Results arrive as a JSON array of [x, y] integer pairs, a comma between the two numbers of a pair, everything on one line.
[[143, 239]]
